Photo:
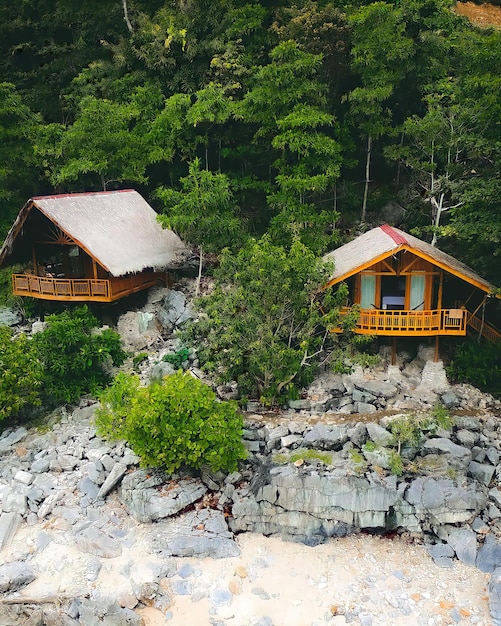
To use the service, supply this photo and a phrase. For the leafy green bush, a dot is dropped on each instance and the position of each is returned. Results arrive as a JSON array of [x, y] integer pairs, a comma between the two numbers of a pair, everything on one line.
[[74, 355], [479, 364], [139, 358], [177, 421], [178, 358], [20, 374]]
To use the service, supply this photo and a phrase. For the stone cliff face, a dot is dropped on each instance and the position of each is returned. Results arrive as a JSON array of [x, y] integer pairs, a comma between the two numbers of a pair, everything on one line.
[[311, 506]]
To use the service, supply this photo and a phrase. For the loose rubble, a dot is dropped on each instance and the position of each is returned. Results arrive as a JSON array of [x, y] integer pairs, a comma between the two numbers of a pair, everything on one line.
[[317, 471], [71, 489]]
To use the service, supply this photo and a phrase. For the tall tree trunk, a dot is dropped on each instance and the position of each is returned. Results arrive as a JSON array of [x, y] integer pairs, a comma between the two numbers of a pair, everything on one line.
[[199, 277], [126, 17], [399, 166], [439, 208], [367, 178]]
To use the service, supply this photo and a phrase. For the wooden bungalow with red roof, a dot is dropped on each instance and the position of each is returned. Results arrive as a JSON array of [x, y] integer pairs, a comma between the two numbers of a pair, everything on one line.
[[406, 287], [94, 247]]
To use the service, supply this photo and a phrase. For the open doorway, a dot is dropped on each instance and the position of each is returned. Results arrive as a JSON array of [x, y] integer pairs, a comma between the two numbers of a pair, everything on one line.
[[392, 292]]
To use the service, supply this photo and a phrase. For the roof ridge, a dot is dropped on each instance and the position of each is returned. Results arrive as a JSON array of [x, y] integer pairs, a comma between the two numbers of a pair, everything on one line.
[[397, 236], [81, 193]]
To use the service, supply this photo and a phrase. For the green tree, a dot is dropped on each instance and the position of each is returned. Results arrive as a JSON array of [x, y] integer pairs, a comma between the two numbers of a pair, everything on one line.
[[266, 323], [203, 212], [18, 175], [288, 105], [101, 146], [211, 110], [44, 44], [380, 53], [173, 423], [319, 28], [309, 165], [20, 374]]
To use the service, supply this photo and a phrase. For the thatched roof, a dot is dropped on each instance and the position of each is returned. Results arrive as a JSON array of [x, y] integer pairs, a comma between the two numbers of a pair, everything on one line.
[[384, 241], [119, 229]]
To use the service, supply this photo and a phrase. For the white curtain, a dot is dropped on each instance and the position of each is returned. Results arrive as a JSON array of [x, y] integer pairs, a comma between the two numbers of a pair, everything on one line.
[[417, 292], [368, 291]]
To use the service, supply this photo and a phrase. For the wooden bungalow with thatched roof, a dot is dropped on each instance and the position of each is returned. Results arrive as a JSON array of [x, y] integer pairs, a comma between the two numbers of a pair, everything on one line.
[[407, 288], [96, 247]]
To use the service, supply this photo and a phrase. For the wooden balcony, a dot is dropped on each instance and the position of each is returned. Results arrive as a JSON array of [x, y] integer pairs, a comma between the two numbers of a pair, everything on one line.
[[81, 289], [410, 323]]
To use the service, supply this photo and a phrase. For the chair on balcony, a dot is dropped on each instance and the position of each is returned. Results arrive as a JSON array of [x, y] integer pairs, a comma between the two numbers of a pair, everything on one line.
[[454, 318]]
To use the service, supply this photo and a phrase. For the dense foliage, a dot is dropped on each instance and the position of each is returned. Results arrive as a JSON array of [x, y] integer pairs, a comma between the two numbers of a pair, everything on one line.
[[266, 322], [478, 364], [21, 375], [301, 119], [59, 364], [75, 355], [173, 423]]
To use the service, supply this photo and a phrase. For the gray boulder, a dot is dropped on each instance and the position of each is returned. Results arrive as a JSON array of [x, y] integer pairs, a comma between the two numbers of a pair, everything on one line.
[[489, 555], [376, 388], [379, 435], [146, 503], [9, 523], [495, 597], [330, 437], [438, 501], [9, 438], [162, 369], [117, 472], [442, 554], [464, 543], [15, 575], [458, 456], [105, 612], [173, 310], [481, 472], [198, 534], [310, 507], [96, 542], [10, 317]]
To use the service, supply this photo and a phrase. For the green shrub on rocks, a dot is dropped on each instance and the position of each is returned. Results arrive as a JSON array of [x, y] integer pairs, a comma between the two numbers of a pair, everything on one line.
[[408, 431], [175, 422], [74, 354], [303, 454]]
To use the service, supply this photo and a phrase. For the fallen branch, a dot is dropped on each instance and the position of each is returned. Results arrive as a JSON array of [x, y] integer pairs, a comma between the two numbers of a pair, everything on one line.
[[52, 599]]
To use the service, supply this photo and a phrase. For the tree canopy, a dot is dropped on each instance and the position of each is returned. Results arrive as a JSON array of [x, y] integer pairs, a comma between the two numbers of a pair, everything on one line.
[[300, 120]]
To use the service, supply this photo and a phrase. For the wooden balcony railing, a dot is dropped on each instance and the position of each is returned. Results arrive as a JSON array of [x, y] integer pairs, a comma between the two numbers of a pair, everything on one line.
[[81, 289], [411, 323]]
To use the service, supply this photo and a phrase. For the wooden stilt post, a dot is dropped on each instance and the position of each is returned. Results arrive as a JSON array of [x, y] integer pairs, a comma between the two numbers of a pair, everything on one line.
[[440, 290], [34, 261], [394, 351], [436, 355]]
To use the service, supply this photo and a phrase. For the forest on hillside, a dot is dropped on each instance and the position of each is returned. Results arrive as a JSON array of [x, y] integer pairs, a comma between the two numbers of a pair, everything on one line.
[[305, 120]]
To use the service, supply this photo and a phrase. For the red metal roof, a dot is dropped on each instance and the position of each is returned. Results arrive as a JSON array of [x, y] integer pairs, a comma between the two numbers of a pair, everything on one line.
[[397, 236]]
